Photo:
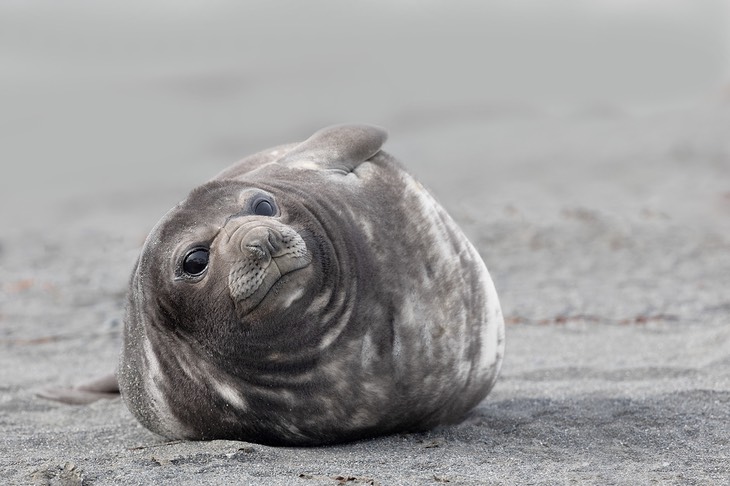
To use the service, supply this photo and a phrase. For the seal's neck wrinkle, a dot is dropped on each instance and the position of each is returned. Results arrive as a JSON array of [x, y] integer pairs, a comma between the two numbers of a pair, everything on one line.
[[333, 308]]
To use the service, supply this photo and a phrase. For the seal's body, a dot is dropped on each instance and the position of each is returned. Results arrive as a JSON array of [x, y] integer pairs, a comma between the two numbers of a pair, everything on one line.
[[310, 294]]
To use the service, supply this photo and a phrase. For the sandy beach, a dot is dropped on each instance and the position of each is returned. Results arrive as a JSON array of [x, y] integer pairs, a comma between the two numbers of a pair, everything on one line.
[[604, 224]]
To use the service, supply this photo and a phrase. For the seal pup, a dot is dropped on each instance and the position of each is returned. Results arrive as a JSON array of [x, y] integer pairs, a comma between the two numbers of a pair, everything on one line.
[[310, 294]]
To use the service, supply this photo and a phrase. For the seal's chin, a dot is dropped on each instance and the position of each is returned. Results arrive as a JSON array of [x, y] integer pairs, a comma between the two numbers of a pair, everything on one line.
[[281, 282]]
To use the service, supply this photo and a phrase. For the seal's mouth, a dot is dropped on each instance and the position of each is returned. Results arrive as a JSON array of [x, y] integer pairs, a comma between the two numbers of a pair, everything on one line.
[[252, 303], [268, 254]]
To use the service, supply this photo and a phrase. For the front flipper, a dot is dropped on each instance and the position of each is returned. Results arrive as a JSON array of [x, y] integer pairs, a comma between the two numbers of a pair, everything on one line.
[[339, 147], [104, 387]]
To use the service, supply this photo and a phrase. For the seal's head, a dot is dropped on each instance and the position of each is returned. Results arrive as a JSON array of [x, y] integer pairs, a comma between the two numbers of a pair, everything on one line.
[[226, 260], [312, 293]]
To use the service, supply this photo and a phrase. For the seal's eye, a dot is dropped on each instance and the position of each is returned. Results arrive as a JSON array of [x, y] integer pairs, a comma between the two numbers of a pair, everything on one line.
[[263, 208], [195, 262]]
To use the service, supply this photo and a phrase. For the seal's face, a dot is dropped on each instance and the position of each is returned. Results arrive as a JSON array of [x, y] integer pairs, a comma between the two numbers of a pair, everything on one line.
[[229, 260], [252, 252]]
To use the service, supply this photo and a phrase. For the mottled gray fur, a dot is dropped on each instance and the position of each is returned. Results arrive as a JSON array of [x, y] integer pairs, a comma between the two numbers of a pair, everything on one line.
[[388, 321]]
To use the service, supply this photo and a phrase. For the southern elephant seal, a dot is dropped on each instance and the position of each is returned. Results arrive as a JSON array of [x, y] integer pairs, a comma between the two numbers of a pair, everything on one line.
[[309, 294]]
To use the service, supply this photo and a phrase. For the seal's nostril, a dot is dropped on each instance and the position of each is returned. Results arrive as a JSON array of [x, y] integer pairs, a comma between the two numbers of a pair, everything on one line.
[[257, 243], [257, 250], [274, 242]]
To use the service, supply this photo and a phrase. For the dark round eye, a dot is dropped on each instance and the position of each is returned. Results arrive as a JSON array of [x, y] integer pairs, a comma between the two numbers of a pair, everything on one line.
[[196, 261], [264, 208]]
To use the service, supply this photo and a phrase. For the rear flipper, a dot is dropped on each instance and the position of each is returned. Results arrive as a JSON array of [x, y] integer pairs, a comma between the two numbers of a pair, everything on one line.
[[104, 387]]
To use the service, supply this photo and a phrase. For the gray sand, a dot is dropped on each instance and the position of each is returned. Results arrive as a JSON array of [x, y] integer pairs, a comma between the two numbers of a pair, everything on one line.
[[606, 230]]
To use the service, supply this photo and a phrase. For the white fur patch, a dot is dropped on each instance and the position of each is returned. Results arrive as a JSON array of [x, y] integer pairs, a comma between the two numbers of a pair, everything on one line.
[[330, 337], [319, 302], [367, 228], [294, 296], [168, 422], [305, 164], [492, 335], [335, 331], [229, 394], [368, 353], [430, 209]]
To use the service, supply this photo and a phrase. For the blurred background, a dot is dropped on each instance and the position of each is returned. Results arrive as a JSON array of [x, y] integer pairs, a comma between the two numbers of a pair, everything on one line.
[[583, 146], [127, 105]]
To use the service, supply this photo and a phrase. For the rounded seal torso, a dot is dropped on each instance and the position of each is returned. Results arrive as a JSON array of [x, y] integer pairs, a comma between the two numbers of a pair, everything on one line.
[[310, 294]]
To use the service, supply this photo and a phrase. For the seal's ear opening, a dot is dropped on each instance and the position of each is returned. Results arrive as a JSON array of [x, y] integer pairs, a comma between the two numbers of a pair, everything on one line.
[[339, 147]]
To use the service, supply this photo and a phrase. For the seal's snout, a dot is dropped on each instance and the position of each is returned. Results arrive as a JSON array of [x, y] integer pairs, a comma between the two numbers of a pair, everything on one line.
[[267, 253], [260, 243]]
